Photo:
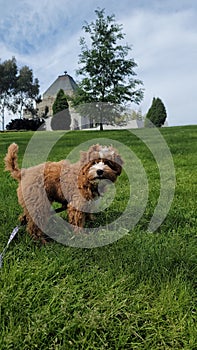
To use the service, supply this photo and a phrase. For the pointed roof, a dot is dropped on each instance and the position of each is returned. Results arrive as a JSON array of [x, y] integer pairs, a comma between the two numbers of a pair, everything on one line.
[[65, 82]]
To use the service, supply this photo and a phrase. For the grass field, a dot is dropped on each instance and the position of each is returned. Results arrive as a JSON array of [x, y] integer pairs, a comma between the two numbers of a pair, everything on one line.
[[136, 293]]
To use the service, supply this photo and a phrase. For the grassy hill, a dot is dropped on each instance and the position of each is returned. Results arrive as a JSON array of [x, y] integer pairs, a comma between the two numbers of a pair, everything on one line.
[[136, 293]]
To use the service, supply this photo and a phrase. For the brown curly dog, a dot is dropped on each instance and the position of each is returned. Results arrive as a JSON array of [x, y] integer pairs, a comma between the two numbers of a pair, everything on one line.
[[74, 186]]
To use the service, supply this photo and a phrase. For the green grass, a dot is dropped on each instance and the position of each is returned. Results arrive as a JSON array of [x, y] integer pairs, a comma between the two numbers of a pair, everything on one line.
[[136, 293]]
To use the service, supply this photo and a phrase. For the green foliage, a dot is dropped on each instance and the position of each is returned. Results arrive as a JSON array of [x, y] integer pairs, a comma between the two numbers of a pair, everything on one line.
[[156, 114], [137, 293], [61, 117], [25, 124], [26, 91], [60, 102], [8, 77], [108, 75], [18, 90]]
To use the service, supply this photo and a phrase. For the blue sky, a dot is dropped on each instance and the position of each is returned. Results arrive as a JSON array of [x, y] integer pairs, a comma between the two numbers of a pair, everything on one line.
[[163, 34]]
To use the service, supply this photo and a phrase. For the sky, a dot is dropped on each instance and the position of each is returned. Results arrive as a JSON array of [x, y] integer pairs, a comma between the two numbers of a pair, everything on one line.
[[44, 35]]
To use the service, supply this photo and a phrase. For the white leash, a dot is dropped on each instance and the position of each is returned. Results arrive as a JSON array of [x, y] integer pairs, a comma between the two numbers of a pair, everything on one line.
[[13, 234]]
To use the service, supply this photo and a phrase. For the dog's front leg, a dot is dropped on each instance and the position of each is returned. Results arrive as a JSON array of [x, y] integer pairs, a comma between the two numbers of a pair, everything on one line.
[[76, 217]]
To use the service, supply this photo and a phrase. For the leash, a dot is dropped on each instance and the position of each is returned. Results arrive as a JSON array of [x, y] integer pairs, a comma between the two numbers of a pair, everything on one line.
[[15, 231], [12, 235]]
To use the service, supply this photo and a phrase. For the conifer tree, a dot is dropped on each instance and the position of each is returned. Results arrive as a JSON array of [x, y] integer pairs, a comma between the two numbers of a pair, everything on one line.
[[61, 116], [156, 115]]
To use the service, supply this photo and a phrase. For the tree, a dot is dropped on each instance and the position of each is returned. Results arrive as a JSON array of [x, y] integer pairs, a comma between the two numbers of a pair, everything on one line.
[[26, 91], [8, 77], [61, 117], [60, 102], [17, 89], [108, 76], [156, 115]]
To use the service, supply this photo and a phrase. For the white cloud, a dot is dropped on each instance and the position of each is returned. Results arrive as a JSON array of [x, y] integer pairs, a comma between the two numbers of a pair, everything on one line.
[[28, 30], [164, 46]]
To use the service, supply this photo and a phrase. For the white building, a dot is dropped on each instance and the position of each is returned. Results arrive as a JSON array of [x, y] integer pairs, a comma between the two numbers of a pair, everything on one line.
[[68, 85]]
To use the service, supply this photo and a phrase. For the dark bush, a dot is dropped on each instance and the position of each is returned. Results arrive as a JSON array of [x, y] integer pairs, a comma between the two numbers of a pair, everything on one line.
[[25, 124]]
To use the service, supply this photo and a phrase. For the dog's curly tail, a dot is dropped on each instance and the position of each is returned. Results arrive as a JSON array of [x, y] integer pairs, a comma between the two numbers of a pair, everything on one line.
[[11, 161]]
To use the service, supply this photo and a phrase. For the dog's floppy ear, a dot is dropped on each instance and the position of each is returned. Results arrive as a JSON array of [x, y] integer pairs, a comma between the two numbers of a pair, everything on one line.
[[116, 158], [118, 165]]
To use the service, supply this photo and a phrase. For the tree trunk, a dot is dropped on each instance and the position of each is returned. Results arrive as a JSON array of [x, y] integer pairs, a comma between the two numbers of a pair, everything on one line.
[[3, 119], [101, 126]]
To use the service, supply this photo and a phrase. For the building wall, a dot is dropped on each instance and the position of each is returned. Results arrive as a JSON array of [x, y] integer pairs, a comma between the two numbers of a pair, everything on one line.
[[47, 101], [66, 83]]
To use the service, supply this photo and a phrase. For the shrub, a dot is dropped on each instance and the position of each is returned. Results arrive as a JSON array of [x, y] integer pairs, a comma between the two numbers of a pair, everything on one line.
[[25, 124]]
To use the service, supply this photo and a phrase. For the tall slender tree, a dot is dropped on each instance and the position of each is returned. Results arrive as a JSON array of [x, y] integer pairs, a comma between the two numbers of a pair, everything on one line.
[[26, 91], [18, 90], [8, 77], [107, 73]]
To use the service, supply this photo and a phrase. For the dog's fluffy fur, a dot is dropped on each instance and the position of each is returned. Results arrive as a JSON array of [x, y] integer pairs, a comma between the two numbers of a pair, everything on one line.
[[74, 186]]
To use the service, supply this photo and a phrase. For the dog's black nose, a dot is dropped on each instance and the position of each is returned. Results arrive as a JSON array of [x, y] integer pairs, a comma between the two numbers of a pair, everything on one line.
[[99, 172]]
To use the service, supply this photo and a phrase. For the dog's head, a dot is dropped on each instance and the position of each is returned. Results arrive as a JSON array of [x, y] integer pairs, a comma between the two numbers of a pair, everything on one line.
[[99, 163]]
